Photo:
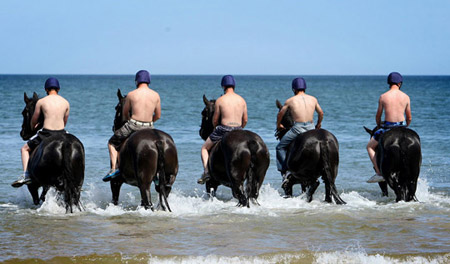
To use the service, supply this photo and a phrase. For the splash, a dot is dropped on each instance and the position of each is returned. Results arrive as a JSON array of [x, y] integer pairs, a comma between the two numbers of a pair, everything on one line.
[[271, 203]]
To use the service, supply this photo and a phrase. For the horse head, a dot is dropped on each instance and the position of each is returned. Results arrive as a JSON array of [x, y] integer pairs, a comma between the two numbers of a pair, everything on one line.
[[30, 104], [118, 118], [207, 126], [287, 122], [370, 131]]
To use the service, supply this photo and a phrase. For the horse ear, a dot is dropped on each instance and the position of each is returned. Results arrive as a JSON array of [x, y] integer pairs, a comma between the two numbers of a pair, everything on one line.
[[35, 96], [368, 130], [119, 94], [279, 105], [25, 98], [205, 100]]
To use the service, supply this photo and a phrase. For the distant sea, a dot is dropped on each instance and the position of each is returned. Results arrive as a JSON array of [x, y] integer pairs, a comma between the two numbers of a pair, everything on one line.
[[368, 229]]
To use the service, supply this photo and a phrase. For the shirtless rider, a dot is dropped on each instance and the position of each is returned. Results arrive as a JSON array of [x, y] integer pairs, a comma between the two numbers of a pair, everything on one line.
[[56, 112], [231, 109], [396, 105], [145, 107], [302, 107]]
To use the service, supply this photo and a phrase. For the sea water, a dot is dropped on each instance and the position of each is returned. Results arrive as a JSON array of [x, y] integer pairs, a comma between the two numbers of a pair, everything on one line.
[[201, 229]]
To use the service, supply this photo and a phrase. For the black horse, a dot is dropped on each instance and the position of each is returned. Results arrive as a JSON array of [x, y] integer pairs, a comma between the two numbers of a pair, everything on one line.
[[241, 156], [399, 157], [57, 162], [312, 154], [147, 155]]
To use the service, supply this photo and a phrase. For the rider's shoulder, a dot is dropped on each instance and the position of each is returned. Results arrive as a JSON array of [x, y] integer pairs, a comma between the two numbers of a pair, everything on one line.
[[311, 97]]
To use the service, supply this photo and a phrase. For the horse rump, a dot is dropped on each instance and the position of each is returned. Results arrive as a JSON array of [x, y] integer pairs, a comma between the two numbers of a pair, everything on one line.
[[399, 160]]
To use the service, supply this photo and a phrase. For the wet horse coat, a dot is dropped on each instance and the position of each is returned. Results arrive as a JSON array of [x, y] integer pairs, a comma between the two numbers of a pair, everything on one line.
[[399, 158], [57, 162], [240, 157], [147, 155], [312, 154]]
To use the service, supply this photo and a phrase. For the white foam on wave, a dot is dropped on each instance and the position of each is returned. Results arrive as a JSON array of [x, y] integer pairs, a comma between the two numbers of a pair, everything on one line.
[[362, 257], [347, 257]]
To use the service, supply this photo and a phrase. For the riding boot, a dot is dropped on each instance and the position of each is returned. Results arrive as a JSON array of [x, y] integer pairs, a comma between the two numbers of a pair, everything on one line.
[[285, 179], [113, 173], [23, 179], [376, 178], [205, 177]]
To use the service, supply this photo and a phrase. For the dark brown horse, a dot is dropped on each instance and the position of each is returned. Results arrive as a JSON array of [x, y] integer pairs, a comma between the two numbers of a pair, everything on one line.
[[312, 154], [147, 155], [241, 156], [399, 158], [57, 162]]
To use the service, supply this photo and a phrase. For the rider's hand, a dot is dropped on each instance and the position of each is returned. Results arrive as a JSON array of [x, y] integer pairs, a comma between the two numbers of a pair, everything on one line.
[[280, 127]]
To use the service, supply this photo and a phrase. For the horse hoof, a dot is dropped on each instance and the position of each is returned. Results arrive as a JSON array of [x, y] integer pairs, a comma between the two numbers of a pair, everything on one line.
[[287, 196]]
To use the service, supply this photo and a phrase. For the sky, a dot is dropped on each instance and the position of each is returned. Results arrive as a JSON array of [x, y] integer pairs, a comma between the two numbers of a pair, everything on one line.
[[284, 37]]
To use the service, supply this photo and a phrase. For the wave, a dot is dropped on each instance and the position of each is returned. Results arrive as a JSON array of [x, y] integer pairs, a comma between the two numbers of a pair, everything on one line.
[[347, 257]]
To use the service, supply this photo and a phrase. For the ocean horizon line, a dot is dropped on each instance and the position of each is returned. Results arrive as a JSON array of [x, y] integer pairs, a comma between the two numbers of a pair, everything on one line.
[[206, 75]]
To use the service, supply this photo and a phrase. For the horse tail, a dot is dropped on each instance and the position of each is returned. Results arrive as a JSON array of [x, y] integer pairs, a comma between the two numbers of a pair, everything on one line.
[[327, 171], [408, 186], [252, 183], [71, 190], [161, 174]]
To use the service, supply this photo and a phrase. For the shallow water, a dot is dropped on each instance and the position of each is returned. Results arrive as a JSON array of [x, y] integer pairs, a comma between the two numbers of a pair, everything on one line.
[[369, 229]]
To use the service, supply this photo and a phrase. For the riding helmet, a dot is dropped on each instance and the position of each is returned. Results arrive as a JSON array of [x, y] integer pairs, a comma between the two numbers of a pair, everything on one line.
[[394, 78], [142, 76], [299, 84], [228, 80], [51, 83]]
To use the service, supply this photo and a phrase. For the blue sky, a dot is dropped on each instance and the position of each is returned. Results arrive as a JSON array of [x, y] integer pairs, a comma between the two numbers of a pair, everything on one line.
[[221, 37]]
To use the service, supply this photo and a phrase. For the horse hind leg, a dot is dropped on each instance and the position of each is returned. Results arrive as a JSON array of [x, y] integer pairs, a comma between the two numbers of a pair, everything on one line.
[[44, 192], [211, 188], [33, 189], [287, 188], [238, 193], [310, 190], [115, 190], [384, 189], [145, 197]]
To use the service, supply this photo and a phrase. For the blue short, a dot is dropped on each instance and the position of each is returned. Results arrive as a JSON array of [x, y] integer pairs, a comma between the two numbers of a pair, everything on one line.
[[221, 131], [385, 127]]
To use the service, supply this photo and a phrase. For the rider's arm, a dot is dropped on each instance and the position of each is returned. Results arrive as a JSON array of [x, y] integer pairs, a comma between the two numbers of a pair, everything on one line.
[[66, 114], [408, 113], [379, 113], [216, 113], [280, 116], [36, 114], [126, 109], [244, 116], [320, 115], [157, 113]]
